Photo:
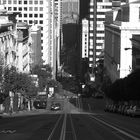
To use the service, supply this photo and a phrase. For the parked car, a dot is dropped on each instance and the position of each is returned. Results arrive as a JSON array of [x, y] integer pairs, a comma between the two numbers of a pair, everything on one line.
[[56, 106], [115, 107], [125, 111], [134, 111], [106, 108], [119, 109]]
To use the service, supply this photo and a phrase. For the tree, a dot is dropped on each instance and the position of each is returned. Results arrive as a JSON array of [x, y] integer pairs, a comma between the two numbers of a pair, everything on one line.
[[44, 73]]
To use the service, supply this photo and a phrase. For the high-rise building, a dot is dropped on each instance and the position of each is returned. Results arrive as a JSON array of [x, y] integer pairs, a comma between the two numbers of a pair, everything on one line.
[[97, 10]]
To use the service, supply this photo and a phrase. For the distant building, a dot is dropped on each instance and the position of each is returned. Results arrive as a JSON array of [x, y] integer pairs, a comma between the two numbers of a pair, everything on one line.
[[121, 25], [7, 40], [70, 11], [23, 64], [85, 37], [97, 10], [35, 46]]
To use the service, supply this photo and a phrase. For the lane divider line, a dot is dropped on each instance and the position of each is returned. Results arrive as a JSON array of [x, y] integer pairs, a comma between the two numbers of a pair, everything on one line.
[[115, 128], [63, 130], [50, 136], [73, 130]]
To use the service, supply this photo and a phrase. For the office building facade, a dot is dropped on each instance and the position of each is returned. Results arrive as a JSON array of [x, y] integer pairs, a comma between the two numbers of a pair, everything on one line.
[[121, 26], [97, 10]]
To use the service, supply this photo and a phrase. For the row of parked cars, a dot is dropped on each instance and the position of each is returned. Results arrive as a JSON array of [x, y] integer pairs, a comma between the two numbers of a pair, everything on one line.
[[130, 110]]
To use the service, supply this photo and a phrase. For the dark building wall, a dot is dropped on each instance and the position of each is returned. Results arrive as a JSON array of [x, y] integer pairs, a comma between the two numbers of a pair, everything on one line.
[[36, 48], [84, 8], [69, 50]]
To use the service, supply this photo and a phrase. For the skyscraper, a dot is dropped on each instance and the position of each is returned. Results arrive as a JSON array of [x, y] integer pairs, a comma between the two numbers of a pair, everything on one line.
[[97, 10]]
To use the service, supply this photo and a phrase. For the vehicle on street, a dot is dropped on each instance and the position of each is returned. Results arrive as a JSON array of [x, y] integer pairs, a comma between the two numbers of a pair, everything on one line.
[[40, 104], [134, 111], [56, 106]]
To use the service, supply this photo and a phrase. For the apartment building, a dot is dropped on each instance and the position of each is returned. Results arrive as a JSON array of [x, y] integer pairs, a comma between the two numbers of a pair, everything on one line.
[[121, 26]]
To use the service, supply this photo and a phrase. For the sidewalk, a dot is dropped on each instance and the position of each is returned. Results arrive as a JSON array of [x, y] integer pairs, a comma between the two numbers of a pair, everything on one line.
[[24, 113]]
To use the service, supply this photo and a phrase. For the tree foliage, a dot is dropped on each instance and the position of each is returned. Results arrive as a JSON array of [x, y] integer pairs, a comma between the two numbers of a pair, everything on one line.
[[44, 73], [18, 82], [125, 89]]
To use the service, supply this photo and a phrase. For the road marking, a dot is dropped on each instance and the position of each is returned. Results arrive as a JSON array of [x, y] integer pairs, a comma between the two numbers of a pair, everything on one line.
[[73, 130], [63, 130], [115, 128], [50, 136]]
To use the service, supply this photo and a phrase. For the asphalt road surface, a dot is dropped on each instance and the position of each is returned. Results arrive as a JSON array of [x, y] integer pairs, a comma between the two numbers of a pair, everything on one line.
[[84, 121]]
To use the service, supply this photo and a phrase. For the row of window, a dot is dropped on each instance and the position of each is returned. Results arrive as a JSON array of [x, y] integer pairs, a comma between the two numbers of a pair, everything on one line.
[[32, 15], [23, 2], [25, 8], [32, 21]]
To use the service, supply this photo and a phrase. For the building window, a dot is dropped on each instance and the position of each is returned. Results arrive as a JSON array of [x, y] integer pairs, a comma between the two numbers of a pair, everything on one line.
[[41, 21], [20, 15], [41, 2], [25, 8], [25, 2], [35, 2], [4, 1], [9, 8], [9, 2], [41, 15], [35, 15], [41, 8], [15, 8], [15, 2], [30, 21], [30, 2], [30, 8], [30, 15], [41, 28], [20, 8], [25, 15], [20, 2], [36, 8]]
